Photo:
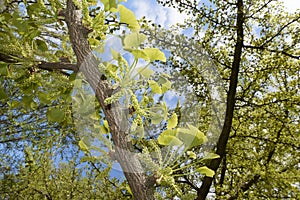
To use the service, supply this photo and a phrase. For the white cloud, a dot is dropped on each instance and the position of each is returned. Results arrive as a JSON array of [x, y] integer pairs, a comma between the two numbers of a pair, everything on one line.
[[291, 5], [164, 16]]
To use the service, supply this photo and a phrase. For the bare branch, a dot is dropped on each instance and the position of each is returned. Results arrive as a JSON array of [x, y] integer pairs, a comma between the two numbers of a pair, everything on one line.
[[58, 66]]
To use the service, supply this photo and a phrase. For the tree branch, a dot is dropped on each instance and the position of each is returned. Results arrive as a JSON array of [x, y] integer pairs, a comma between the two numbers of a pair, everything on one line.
[[272, 50], [58, 66], [7, 58], [258, 10], [279, 31]]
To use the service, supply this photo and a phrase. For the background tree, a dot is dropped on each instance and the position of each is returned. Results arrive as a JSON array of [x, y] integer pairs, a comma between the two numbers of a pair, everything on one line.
[[256, 47]]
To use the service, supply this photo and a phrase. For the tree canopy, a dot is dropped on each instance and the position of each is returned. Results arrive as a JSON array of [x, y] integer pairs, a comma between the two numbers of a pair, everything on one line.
[[87, 89]]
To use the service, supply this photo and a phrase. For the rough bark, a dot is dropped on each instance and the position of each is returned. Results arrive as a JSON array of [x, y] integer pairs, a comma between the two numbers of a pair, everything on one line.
[[129, 162], [223, 139]]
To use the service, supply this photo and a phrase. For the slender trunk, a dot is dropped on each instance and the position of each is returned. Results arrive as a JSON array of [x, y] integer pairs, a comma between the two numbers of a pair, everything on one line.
[[221, 146]]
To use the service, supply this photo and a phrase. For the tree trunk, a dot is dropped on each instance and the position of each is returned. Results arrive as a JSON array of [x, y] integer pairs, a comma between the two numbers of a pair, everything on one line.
[[88, 65], [223, 139]]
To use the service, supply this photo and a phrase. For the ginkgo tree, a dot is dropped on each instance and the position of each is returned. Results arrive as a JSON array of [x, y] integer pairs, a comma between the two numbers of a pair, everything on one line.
[[255, 46], [68, 114]]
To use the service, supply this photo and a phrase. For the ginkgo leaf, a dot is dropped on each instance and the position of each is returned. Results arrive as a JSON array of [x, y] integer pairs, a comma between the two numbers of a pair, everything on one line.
[[169, 132], [110, 5], [156, 118], [191, 137], [145, 72], [210, 156], [103, 130], [92, 2], [55, 115], [155, 54], [105, 124], [94, 42], [42, 46], [44, 97], [3, 69], [154, 87], [77, 83], [98, 20], [111, 68], [3, 95], [139, 54], [116, 55], [165, 84], [206, 171], [168, 138], [83, 146], [134, 40], [172, 122], [191, 154], [128, 17]]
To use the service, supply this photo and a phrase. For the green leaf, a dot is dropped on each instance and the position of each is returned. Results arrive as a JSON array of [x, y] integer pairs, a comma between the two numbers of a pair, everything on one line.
[[27, 100], [206, 171], [106, 126], [116, 55], [156, 118], [139, 54], [94, 42], [191, 137], [44, 98], [129, 190], [172, 122], [210, 156], [128, 17], [155, 54], [98, 20], [33, 33], [55, 115], [3, 69], [77, 83], [73, 76], [134, 40], [165, 84], [145, 72], [83, 146], [191, 154], [13, 104], [92, 2], [154, 87], [3, 95], [111, 68], [103, 130], [110, 5], [42, 46], [168, 138]]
